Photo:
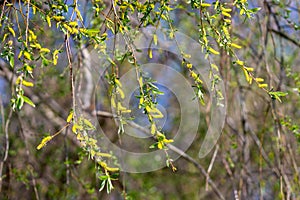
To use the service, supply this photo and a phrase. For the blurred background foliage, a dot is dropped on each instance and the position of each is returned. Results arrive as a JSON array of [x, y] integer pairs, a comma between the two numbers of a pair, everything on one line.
[[257, 155]]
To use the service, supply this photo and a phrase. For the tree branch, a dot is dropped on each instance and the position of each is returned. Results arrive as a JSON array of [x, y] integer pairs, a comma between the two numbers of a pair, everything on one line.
[[283, 35], [172, 148]]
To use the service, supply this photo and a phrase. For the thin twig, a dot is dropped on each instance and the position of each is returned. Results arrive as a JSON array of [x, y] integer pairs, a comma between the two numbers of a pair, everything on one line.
[[285, 36], [5, 130], [27, 21], [2, 11], [29, 165], [294, 163], [229, 172], [69, 55], [211, 165], [174, 149], [31, 170], [66, 152]]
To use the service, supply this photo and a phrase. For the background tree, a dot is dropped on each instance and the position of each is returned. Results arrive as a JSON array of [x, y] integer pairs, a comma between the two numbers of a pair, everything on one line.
[[49, 146]]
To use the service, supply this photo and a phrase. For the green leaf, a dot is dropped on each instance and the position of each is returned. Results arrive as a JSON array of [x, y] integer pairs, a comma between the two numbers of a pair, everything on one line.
[[111, 61], [102, 185], [153, 146], [28, 101], [158, 92], [103, 178], [92, 32], [19, 102], [11, 61], [109, 186], [277, 95], [255, 10], [45, 62]]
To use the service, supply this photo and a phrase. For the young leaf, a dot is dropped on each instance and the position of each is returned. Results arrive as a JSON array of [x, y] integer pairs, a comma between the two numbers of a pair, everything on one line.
[[19, 102], [277, 95], [28, 101], [102, 185], [11, 60]]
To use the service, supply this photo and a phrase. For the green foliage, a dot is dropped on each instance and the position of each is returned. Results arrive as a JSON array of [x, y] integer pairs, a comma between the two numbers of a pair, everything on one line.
[[277, 95], [291, 126], [35, 61]]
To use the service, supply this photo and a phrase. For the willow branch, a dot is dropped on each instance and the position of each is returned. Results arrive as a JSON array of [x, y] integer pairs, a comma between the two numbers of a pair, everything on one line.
[[174, 149]]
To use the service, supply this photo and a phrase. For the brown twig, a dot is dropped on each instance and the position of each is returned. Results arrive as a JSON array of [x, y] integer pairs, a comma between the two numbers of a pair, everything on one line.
[[174, 149], [29, 165], [211, 165], [69, 56], [285, 36], [5, 126]]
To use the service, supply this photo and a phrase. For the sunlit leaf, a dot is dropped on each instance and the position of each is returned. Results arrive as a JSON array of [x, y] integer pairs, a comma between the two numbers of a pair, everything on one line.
[[28, 101]]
